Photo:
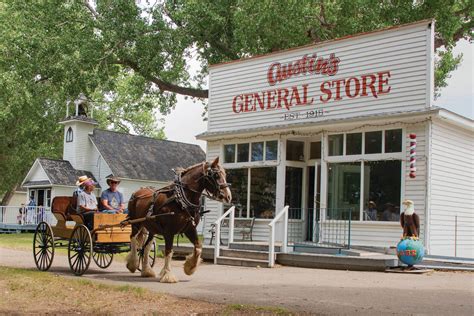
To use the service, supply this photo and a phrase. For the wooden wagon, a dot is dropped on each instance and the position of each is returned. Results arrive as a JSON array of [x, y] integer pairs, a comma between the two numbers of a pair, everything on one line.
[[109, 236]]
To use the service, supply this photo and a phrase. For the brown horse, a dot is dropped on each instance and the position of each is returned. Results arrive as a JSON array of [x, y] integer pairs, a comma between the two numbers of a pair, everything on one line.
[[178, 208]]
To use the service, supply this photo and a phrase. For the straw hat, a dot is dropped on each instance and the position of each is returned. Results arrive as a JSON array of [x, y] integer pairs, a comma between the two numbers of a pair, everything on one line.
[[372, 203], [82, 179]]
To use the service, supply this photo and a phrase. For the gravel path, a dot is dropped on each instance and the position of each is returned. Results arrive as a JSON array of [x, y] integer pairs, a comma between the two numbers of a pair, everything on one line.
[[305, 290]]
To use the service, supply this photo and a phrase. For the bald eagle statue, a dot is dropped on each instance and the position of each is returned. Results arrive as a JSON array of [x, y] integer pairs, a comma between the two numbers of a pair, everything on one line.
[[409, 220]]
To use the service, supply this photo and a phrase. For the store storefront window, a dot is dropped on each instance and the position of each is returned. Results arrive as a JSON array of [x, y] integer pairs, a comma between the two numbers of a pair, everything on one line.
[[354, 144], [257, 151], [344, 191], [382, 189], [238, 178], [373, 142], [393, 141], [293, 191], [242, 152], [271, 150], [336, 143], [315, 150], [262, 192], [294, 150], [229, 153]]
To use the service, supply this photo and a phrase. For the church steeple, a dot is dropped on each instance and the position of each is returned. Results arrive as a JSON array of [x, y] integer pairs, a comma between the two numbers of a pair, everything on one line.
[[77, 128]]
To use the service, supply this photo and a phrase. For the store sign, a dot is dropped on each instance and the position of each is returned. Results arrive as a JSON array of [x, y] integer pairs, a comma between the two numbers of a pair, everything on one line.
[[366, 85], [388, 71]]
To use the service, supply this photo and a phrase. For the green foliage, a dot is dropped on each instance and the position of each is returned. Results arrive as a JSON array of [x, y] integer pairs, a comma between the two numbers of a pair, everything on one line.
[[131, 58]]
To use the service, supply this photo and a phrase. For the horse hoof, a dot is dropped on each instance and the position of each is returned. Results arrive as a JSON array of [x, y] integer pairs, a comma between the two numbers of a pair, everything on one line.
[[168, 278], [148, 273], [132, 268]]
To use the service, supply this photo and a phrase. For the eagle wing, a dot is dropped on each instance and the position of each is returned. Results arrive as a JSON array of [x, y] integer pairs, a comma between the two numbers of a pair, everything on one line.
[[416, 219]]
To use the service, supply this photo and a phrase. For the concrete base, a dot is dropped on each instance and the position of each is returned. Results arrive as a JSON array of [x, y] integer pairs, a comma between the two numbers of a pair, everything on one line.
[[252, 258]]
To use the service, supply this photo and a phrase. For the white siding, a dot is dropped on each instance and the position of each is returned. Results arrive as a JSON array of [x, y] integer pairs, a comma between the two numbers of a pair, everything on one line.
[[415, 189], [18, 198], [97, 165], [452, 190], [215, 208], [37, 173], [401, 51], [127, 187], [77, 151]]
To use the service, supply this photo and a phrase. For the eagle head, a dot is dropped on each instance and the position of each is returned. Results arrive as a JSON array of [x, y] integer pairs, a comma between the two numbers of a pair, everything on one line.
[[409, 207]]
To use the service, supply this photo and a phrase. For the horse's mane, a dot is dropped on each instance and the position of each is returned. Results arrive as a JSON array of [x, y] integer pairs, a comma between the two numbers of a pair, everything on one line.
[[182, 171]]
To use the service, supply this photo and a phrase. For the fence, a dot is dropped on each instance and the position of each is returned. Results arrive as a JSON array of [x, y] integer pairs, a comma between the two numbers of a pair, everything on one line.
[[323, 227], [26, 215]]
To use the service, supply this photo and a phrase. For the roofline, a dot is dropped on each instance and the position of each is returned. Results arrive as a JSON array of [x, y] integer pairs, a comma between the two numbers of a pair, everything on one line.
[[77, 120], [143, 180], [29, 171], [323, 43], [320, 124], [456, 119], [100, 154], [165, 140]]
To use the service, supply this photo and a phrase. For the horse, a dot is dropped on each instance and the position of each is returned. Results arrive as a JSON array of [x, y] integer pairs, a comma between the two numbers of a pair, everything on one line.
[[174, 210]]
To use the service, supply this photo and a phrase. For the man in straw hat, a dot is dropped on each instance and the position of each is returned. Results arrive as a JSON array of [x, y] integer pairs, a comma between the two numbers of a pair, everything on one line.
[[87, 202], [112, 199], [79, 184]]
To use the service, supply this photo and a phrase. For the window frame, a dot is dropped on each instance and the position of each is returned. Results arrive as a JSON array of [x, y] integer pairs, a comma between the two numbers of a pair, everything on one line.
[[363, 157], [69, 135]]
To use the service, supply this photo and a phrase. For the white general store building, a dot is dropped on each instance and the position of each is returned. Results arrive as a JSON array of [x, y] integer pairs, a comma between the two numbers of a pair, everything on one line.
[[324, 129]]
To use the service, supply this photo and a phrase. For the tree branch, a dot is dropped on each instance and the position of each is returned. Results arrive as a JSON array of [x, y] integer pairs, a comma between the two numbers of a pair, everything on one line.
[[166, 86], [91, 9]]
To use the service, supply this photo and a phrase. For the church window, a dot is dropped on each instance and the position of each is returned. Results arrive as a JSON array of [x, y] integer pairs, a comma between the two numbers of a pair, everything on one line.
[[69, 135]]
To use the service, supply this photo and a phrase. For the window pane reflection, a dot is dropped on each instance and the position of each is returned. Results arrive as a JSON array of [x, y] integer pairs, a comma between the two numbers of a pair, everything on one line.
[[382, 190], [262, 192], [336, 144], [257, 151], [238, 178], [343, 190]]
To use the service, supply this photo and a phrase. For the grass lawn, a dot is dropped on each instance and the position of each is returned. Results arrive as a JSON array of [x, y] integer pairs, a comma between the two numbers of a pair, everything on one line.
[[24, 241], [33, 292]]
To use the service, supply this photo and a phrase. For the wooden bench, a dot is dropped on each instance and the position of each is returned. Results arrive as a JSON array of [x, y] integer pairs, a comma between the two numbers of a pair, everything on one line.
[[241, 225]]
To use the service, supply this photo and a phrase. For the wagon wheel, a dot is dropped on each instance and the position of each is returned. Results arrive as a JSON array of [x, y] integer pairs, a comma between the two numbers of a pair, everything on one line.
[[43, 246], [151, 255], [103, 259], [79, 250]]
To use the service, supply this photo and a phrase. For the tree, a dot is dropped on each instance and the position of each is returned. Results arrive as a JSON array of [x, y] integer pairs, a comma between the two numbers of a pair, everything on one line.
[[131, 59]]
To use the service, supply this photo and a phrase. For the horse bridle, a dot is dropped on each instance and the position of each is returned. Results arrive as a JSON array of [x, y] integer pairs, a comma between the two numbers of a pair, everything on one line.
[[210, 175]]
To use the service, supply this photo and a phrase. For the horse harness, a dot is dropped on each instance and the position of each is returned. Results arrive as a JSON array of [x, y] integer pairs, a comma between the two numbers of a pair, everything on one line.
[[210, 175]]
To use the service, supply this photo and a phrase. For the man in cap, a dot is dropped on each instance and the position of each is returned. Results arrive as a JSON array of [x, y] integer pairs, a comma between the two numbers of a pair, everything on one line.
[[87, 202], [112, 199], [371, 212]]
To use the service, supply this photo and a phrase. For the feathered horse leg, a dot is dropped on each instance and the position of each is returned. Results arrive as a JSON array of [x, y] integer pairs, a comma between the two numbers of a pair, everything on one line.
[[192, 261], [147, 271], [165, 275], [132, 257]]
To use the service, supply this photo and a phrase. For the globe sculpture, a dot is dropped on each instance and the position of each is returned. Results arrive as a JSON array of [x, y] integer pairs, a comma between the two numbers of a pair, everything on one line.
[[410, 251]]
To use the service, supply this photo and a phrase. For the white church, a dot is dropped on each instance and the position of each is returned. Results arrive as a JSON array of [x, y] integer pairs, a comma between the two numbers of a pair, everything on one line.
[[137, 161]]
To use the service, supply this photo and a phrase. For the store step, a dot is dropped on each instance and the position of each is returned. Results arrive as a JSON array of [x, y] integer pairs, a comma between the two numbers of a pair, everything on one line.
[[244, 254], [255, 246], [242, 262]]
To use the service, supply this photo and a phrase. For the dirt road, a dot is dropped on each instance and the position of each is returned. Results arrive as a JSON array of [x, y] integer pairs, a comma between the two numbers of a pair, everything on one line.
[[307, 290]]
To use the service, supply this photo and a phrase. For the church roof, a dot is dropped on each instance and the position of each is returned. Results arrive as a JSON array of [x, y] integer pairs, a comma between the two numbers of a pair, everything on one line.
[[59, 172], [144, 158]]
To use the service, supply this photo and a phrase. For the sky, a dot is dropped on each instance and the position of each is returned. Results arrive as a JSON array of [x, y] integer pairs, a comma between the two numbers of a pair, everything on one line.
[[185, 121]]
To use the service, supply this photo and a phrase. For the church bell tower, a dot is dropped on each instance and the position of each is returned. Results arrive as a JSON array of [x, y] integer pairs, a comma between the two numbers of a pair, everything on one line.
[[77, 127]]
